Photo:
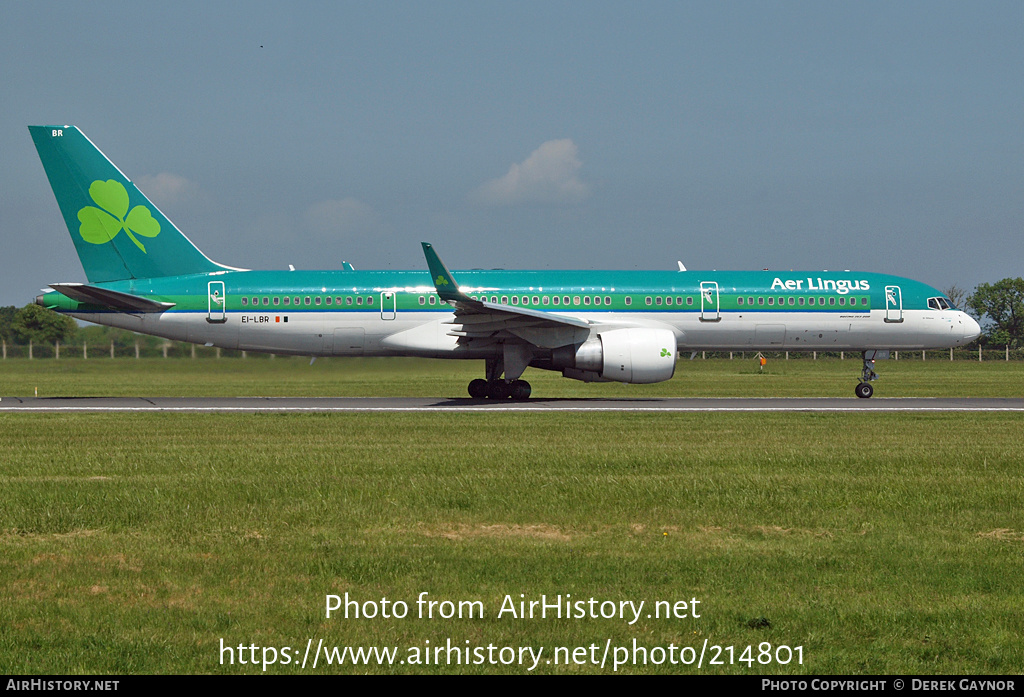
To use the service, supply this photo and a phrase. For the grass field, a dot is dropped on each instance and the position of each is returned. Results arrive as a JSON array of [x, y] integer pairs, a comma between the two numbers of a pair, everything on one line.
[[134, 543]]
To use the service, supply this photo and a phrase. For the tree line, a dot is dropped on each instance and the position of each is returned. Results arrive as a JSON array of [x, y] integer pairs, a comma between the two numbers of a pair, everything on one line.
[[39, 326], [999, 307]]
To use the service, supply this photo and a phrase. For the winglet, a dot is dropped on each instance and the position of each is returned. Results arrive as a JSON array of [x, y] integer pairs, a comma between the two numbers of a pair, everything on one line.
[[448, 289], [443, 280]]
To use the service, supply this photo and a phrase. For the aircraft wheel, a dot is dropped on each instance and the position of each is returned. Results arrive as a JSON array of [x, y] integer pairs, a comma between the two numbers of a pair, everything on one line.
[[499, 389], [478, 389], [864, 390], [521, 390]]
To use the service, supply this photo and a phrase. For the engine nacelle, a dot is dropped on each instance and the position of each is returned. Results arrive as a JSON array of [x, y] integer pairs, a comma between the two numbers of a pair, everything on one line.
[[635, 355]]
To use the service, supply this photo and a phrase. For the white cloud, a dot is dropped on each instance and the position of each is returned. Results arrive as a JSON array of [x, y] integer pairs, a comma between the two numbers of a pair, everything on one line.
[[345, 217], [548, 175], [166, 189]]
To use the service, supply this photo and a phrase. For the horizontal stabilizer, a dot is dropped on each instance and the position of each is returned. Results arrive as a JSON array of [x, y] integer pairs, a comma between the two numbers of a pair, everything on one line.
[[112, 299]]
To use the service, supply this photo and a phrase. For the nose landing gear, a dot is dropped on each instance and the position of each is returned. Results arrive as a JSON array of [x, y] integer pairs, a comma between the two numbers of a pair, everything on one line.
[[864, 390]]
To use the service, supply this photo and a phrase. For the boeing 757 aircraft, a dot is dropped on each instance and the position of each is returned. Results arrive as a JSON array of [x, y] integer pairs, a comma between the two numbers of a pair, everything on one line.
[[626, 326]]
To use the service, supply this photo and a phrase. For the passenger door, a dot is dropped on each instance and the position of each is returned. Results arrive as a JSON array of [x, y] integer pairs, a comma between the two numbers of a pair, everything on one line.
[[388, 305], [893, 304], [709, 309], [216, 303]]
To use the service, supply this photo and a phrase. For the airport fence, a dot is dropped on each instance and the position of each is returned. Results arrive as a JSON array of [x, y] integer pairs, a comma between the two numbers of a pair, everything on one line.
[[120, 349], [147, 348]]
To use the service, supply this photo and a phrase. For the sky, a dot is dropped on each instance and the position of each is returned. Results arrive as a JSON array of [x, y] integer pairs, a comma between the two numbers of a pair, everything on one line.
[[874, 136]]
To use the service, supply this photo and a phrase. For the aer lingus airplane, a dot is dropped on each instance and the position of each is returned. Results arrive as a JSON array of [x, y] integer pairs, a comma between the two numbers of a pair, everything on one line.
[[626, 326]]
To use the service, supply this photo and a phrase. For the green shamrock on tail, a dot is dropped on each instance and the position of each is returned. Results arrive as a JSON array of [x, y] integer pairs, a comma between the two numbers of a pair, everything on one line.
[[441, 281], [101, 225]]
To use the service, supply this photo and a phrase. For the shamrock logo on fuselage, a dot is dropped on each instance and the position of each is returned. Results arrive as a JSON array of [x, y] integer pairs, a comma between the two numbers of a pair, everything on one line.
[[101, 225]]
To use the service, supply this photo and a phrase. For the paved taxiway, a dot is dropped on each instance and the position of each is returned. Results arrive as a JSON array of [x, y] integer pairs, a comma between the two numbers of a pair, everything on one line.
[[399, 404]]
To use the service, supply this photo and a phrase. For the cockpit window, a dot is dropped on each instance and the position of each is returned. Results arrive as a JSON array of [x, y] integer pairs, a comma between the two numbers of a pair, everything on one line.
[[939, 304]]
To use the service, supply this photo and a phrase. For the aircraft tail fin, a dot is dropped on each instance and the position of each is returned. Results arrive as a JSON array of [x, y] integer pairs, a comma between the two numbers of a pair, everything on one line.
[[118, 232]]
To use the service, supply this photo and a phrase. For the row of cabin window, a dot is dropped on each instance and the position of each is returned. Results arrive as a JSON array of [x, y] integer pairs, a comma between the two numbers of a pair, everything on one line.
[[799, 300], [308, 300], [657, 300], [553, 300], [793, 301], [543, 300]]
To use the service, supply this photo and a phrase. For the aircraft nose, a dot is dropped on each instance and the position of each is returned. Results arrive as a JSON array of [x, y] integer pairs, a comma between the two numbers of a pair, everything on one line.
[[972, 330]]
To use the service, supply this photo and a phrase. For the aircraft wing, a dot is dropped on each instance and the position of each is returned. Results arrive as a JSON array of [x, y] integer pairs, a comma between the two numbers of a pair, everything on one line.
[[480, 321], [112, 299]]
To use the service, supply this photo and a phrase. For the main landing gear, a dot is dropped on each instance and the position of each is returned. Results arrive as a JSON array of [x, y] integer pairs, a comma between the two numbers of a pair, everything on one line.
[[864, 390], [497, 387]]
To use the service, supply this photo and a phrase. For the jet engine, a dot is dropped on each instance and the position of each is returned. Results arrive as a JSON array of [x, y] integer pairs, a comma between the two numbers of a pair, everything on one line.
[[634, 355]]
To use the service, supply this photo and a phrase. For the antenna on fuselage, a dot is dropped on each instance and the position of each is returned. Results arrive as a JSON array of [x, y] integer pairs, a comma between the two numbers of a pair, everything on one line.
[[681, 267]]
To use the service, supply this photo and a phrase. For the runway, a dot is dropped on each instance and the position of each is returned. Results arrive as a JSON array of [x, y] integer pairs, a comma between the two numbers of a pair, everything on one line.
[[421, 404]]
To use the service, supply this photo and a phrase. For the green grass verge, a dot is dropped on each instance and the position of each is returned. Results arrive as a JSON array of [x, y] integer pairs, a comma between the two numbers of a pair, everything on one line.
[[133, 543], [389, 377]]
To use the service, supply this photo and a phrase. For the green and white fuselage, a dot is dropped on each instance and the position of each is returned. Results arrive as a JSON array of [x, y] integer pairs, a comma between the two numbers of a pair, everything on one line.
[[400, 313], [590, 325]]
